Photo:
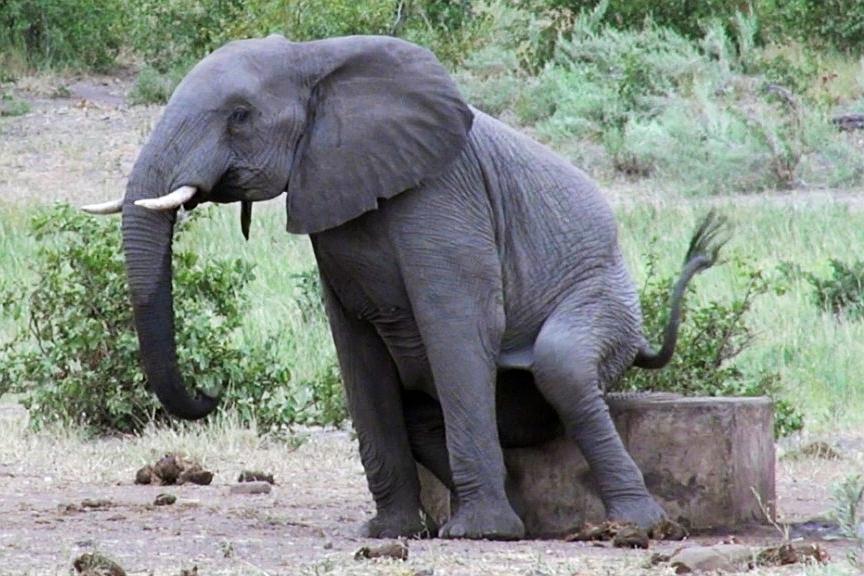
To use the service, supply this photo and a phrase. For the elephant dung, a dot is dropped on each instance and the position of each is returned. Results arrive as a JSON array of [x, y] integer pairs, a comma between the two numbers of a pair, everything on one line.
[[702, 458], [393, 550], [173, 469], [92, 564], [255, 476]]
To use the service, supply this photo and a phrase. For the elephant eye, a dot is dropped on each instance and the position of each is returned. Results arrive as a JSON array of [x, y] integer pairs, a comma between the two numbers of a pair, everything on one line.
[[239, 115]]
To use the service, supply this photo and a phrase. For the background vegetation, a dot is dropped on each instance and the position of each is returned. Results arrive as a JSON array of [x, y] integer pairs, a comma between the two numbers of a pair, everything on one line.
[[77, 361], [699, 99]]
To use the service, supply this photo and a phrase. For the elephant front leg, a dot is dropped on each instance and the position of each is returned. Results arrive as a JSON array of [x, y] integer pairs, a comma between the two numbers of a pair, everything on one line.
[[461, 320], [373, 391]]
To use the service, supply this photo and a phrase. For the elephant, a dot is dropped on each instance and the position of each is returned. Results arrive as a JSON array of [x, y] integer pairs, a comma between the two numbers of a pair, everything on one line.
[[473, 280]]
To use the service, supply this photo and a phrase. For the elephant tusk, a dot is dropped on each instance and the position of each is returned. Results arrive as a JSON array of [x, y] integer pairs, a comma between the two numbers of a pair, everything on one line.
[[172, 201], [104, 208]]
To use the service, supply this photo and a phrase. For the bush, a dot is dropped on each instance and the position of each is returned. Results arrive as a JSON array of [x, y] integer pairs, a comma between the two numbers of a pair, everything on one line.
[[155, 87], [715, 116], [175, 33], [12, 106], [710, 337], [843, 291], [78, 360], [832, 23], [85, 34], [686, 17]]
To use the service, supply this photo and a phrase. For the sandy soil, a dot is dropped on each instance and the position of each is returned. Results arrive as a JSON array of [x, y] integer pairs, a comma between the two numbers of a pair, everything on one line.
[[77, 145], [306, 525]]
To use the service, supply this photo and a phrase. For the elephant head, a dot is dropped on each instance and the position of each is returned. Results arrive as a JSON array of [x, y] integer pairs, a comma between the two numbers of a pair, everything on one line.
[[334, 124]]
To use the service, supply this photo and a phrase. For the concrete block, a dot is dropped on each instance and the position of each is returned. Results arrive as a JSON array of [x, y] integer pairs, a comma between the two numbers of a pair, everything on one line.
[[702, 458]]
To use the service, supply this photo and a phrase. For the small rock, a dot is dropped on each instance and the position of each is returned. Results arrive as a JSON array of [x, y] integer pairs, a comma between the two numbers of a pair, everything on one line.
[[631, 537], [720, 558], [255, 476], [165, 499], [394, 550], [192, 572], [92, 564], [96, 503], [251, 488]]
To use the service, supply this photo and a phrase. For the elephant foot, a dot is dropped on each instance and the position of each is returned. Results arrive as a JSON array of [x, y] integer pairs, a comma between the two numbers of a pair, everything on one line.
[[643, 512], [404, 525], [484, 521]]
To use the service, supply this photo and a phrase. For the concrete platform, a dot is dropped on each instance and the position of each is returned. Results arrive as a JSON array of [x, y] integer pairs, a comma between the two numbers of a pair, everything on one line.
[[702, 458]]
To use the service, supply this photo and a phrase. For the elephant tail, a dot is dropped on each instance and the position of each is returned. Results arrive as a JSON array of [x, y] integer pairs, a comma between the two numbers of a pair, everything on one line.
[[705, 245]]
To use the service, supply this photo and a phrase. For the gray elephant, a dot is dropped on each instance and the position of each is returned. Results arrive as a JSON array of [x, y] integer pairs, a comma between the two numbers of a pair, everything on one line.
[[473, 280]]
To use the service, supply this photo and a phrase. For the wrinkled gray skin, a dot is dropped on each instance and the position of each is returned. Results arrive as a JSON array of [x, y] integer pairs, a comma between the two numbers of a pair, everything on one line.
[[467, 270]]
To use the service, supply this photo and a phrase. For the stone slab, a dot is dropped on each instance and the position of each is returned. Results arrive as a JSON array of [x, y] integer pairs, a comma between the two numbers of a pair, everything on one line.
[[702, 458]]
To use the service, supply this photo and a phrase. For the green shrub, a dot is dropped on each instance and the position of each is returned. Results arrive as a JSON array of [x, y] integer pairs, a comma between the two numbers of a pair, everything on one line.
[[155, 87], [168, 34], [84, 34], [686, 17], [77, 361], [834, 23], [848, 496], [710, 337], [712, 144], [12, 106], [843, 291], [713, 116]]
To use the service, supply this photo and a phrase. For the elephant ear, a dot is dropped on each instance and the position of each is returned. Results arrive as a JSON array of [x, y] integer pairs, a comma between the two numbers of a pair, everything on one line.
[[383, 116]]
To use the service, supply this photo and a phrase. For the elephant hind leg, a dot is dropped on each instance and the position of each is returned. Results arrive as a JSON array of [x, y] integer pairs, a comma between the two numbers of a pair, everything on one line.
[[568, 357]]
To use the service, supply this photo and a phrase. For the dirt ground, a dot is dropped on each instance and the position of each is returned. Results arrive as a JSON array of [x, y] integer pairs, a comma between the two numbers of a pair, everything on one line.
[[77, 144], [307, 524]]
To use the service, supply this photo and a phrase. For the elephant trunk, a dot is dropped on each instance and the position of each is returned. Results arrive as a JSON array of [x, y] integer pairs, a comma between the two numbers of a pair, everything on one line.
[[147, 238]]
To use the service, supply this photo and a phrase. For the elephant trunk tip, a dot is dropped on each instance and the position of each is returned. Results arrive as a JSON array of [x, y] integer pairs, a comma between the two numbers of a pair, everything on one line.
[[189, 407]]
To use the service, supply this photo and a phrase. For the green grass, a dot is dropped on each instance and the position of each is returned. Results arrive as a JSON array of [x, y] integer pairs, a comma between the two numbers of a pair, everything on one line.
[[819, 358], [16, 249], [155, 87], [11, 106]]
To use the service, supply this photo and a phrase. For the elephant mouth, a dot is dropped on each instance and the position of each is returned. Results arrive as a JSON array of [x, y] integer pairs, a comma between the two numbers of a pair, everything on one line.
[[237, 185]]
